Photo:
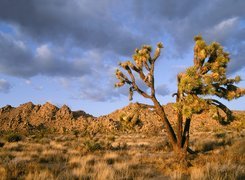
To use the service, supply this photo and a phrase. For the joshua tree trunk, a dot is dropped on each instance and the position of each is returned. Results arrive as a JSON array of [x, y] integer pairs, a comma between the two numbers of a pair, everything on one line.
[[185, 138], [170, 132], [180, 143]]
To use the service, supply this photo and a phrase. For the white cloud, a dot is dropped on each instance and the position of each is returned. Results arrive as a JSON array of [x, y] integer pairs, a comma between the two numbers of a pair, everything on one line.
[[28, 82], [38, 88], [65, 82], [43, 52], [223, 29], [228, 23]]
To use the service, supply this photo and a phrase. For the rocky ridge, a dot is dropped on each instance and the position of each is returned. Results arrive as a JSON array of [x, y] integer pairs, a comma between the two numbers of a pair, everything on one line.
[[29, 116], [134, 117]]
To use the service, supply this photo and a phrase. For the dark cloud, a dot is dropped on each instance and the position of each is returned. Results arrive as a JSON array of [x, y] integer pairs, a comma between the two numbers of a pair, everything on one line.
[[220, 20], [182, 20], [18, 60], [167, 9], [5, 86], [122, 26], [85, 23], [52, 38], [237, 60]]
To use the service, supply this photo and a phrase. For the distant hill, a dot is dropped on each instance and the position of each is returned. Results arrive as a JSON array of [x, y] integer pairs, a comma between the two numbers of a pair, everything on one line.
[[29, 116], [134, 117]]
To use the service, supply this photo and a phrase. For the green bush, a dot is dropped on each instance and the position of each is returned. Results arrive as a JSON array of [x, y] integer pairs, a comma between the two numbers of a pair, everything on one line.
[[14, 137], [75, 132], [1, 144], [92, 145]]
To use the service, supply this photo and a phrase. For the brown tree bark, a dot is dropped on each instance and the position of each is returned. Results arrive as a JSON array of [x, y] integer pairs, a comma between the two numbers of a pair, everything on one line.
[[170, 132]]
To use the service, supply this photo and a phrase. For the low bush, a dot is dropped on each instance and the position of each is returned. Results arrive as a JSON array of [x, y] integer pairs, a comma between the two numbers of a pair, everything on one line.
[[14, 137], [92, 145], [1, 144]]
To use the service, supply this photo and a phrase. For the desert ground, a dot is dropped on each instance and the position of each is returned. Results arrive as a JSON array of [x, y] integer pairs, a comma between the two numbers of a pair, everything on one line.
[[129, 143]]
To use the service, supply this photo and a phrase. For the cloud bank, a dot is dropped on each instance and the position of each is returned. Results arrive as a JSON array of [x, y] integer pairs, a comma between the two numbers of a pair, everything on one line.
[[84, 39]]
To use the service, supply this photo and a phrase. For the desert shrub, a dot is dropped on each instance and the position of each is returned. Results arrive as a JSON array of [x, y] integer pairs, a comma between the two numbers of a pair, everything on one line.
[[3, 172], [14, 137], [220, 135], [119, 146], [129, 122], [211, 144], [2, 133], [40, 174], [16, 169], [92, 145], [75, 132], [1, 144], [111, 138], [216, 171], [164, 145], [53, 158], [238, 148]]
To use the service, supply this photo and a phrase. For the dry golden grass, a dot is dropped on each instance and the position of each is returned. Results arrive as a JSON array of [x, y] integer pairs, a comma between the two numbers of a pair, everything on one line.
[[124, 156]]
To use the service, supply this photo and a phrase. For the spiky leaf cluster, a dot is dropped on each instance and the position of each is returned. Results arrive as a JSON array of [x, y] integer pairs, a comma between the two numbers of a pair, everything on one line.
[[143, 65], [192, 104], [207, 77]]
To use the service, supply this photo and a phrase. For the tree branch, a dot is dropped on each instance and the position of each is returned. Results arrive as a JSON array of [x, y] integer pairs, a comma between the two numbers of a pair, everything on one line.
[[136, 88], [151, 74], [185, 136], [189, 150], [225, 109]]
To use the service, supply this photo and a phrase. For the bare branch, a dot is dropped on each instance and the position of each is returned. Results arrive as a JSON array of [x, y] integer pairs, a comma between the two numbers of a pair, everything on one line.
[[174, 94], [151, 75], [135, 86], [146, 66]]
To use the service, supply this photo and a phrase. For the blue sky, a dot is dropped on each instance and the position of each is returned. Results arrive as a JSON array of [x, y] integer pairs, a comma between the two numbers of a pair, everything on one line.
[[66, 52]]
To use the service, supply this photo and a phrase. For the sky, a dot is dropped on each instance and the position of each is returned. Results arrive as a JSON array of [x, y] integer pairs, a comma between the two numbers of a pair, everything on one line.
[[66, 52]]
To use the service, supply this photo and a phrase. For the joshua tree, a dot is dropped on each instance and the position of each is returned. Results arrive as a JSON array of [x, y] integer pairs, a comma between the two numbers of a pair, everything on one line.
[[206, 77]]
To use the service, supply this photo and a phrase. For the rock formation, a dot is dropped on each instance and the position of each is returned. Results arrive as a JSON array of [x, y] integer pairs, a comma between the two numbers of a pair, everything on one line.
[[29, 117]]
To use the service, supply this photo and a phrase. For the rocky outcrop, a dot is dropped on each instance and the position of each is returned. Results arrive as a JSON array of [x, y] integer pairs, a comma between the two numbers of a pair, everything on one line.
[[5, 109], [133, 117], [47, 111], [29, 116], [64, 113]]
